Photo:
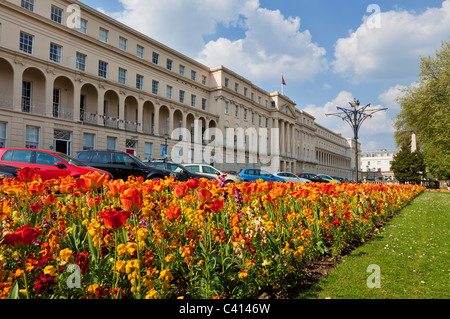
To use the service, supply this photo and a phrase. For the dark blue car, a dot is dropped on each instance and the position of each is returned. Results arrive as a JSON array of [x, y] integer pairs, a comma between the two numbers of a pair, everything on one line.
[[253, 174]]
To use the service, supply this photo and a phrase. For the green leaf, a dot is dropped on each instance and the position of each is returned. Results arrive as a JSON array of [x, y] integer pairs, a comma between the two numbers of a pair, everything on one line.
[[14, 293]]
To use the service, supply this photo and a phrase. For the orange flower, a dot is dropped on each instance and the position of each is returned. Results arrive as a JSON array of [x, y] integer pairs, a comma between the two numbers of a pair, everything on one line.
[[173, 212], [95, 180], [36, 188], [131, 199], [26, 174], [48, 199], [115, 187], [4, 209]]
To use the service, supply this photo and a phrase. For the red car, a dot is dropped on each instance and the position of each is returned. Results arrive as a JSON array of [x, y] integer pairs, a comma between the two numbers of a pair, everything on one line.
[[48, 164]]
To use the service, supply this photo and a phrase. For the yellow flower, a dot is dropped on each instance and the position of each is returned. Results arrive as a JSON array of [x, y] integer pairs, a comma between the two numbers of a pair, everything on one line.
[[120, 266], [92, 288], [169, 258], [50, 270], [65, 255], [131, 248], [121, 249], [243, 274], [151, 294]]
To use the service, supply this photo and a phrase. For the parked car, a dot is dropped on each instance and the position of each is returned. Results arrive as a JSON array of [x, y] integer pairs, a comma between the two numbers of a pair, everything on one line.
[[120, 164], [289, 177], [8, 171], [313, 178], [213, 172], [328, 178], [48, 164], [183, 173], [253, 174]]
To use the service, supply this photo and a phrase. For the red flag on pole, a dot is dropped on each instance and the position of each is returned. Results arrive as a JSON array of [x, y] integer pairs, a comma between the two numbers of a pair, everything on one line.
[[282, 80]]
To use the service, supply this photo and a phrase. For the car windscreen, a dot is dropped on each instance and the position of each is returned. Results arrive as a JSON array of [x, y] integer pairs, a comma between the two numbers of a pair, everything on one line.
[[70, 160], [138, 160]]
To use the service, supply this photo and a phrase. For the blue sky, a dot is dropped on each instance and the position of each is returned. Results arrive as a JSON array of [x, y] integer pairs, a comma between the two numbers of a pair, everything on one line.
[[329, 52]]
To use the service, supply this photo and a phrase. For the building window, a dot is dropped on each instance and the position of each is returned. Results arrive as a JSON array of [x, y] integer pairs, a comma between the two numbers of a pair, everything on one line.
[[81, 62], [155, 85], [139, 82], [226, 82], [169, 64], [55, 52], [111, 143], [57, 14], [181, 70], [236, 112], [103, 36], [181, 96], [26, 42], [32, 137], [2, 134], [193, 75], [245, 91], [148, 149], [28, 4], [236, 87], [245, 114], [140, 51], [155, 58], [123, 43], [193, 100], [204, 80], [122, 76], [169, 92], [88, 141], [204, 104], [26, 96], [102, 69], [56, 102], [82, 25], [253, 117], [226, 107]]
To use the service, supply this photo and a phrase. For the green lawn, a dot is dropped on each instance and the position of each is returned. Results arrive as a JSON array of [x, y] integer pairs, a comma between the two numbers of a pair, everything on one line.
[[411, 253]]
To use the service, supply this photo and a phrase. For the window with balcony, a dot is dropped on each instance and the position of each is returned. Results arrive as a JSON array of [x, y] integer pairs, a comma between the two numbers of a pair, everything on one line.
[[26, 96]]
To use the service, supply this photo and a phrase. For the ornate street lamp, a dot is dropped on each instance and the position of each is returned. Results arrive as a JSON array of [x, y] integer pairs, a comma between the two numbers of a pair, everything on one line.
[[355, 117]]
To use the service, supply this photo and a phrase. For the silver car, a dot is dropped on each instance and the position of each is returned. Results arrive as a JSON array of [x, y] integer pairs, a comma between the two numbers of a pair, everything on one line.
[[289, 177]]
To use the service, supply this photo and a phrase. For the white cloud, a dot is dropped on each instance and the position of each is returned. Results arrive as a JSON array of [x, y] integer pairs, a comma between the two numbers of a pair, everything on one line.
[[392, 52], [272, 45], [388, 97]]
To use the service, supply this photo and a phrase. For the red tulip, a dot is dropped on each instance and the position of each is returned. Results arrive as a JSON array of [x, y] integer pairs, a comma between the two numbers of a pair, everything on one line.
[[114, 218], [48, 199], [131, 199], [193, 183], [26, 174], [180, 190], [204, 195], [21, 237], [36, 207], [217, 205]]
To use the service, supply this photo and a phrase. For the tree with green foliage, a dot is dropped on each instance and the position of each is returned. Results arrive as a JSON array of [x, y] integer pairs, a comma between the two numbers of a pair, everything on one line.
[[408, 167], [425, 110]]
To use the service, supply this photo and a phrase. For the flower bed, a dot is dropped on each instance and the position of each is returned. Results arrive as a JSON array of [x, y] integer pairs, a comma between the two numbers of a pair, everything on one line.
[[94, 238]]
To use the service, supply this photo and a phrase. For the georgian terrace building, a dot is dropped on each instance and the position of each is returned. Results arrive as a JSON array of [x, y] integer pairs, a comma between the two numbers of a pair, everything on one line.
[[72, 78]]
